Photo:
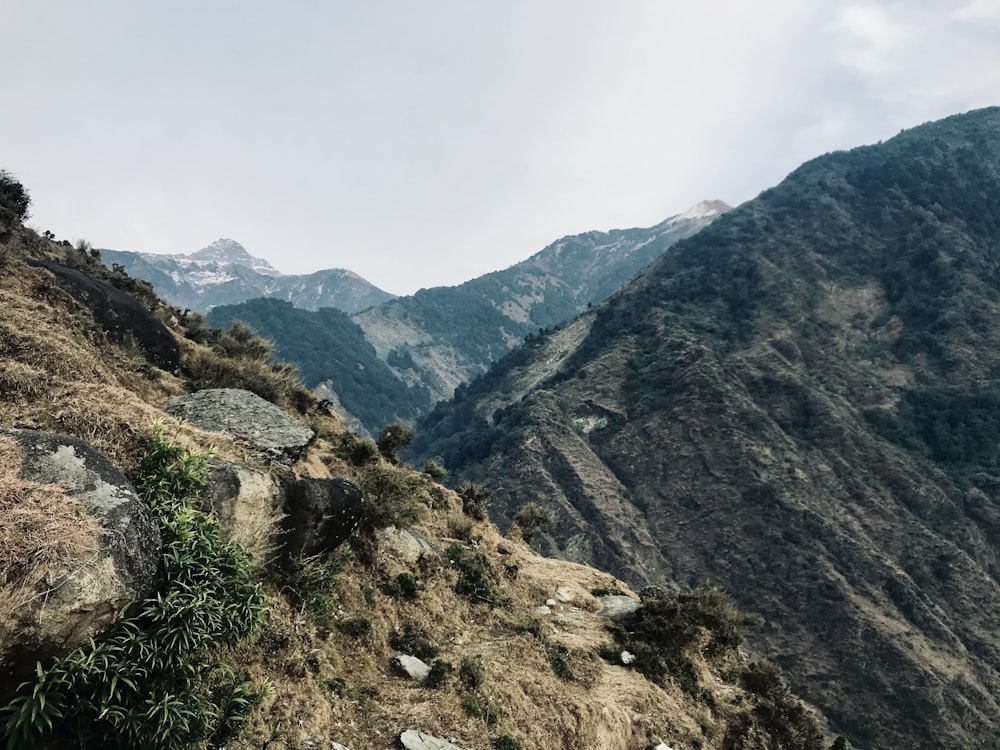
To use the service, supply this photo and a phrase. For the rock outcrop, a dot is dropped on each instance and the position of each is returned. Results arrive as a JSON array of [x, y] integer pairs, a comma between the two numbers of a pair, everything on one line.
[[320, 514], [122, 317], [247, 503], [66, 582], [243, 415]]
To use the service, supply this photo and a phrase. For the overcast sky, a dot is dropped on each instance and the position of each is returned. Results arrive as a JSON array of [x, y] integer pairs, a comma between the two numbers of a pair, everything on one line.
[[426, 142]]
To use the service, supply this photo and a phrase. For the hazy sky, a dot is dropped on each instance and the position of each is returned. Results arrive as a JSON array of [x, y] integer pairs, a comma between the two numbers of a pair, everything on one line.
[[425, 142]]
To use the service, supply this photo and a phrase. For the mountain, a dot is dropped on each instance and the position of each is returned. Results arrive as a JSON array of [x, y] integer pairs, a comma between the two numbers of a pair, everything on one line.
[[801, 403], [226, 273], [227, 644], [437, 339]]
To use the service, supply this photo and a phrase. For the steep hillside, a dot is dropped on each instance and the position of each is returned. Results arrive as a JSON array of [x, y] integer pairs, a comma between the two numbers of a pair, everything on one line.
[[801, 405], [299, 653], [225, 273], [439, 338]]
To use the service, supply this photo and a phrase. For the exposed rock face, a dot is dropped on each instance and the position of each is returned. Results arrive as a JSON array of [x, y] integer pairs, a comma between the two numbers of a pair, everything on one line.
[[120, 314], [320, 514], [247, 503], [75, 600], [412, 667], [243, 415]]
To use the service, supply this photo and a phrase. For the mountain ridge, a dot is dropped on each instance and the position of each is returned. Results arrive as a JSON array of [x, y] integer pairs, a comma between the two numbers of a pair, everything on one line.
[[798, 403], [225, 272]]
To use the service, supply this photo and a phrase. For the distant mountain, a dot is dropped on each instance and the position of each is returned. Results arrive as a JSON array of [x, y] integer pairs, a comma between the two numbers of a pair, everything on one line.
[[437, 339], [226, 273], [801, 404]]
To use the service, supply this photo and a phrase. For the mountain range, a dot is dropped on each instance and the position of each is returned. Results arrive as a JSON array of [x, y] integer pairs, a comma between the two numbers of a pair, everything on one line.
[[396, 359], [801, 404], [226, 273]]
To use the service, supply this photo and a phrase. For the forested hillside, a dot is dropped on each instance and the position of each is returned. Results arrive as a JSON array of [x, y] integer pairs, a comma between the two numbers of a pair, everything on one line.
[[800, 403]]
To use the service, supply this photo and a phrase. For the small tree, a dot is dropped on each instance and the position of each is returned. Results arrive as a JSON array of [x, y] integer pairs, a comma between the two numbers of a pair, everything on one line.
[[13, 196], [393, 438], [532, 518]]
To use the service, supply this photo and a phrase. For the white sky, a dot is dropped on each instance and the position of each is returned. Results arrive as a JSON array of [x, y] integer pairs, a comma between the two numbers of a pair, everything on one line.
[[425, 143]]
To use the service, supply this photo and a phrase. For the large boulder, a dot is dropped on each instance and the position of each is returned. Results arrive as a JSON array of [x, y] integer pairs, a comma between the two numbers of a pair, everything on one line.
[[243, 415], [122, 317], [246, 502], [320, 514], [78, 546]]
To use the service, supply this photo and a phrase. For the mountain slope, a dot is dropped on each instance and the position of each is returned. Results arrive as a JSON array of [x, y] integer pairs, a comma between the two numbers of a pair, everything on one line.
[[318, 671], [225, 273], [437, 339], [800, 404]]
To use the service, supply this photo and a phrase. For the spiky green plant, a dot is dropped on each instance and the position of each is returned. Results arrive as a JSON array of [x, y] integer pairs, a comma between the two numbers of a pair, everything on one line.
[[145, 685]]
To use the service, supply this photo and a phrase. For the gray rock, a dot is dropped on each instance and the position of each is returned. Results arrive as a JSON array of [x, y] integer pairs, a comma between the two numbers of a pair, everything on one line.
[[503, 549], [543, 610], [616, 607], [337, 746], [411, 666], [243, 415], [121, 315], [414, 739], [550, 602], [247, 503], [320, 514], [83, 597], [564, 595], [406, 545], [627, 657]]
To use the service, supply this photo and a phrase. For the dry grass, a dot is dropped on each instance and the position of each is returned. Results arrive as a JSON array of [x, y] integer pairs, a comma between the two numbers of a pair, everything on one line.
[[42, 528]]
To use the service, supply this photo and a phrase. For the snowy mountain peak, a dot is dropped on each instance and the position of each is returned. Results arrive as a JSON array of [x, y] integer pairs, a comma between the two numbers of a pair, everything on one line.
[[704, 209], [232, 252]]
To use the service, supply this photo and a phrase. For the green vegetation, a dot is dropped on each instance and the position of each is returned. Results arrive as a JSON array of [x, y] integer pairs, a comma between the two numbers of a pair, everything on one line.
[[475, 500], [404, 586], [659, 633], [311, 587], [476, 578], [532, 518], [13, 196], [439, 673], [394, 438], [479, 708], [413, 640], [503, 742], [328, 345], [154, 682]]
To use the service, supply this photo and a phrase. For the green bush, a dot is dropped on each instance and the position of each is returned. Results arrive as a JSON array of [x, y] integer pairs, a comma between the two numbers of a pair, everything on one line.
[[392, 497], [479, 708], [474, 499], [404, 586], [438, 675], [394, 438], [148, 684], [476, 578], [311, 587], [503, 742], [413, 641], [532, 518], [13, 196], [471, 672]]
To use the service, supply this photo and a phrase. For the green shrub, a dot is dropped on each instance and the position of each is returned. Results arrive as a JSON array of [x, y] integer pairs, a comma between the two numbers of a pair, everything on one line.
[[479, 708], [355, 627], [659, 632], [413, 641], [404, 586], [561, 668], [471, 672], [148, 683], [434, 470], [474, 499], [438, 675], [532, 518], [503, 742], [13, 196], [392, 497], [476, 578], [394, 437], [356, 450]]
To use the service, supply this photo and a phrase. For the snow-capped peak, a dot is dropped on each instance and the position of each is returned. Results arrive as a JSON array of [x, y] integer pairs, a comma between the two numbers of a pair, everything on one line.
[[232, 252], [704, 209]]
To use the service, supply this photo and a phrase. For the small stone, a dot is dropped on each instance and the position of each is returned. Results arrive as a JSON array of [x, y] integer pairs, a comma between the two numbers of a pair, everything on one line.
[[503, 549], [627, 657], [564, 596], [337, 746], [550, 602], [543, 610], [414, 739]]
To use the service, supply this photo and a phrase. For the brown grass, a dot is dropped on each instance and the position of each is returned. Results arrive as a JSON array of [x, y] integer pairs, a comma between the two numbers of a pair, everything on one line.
[[42, 528]]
